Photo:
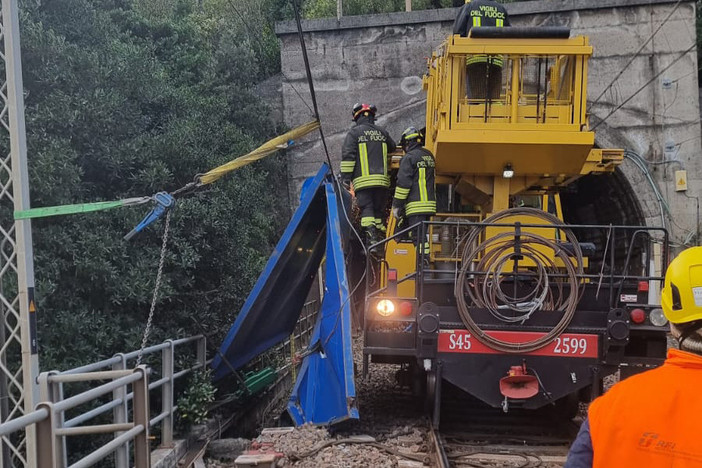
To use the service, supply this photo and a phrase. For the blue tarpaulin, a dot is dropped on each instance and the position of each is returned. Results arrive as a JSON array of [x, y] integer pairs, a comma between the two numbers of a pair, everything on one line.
[[273, 307], [324, 392]]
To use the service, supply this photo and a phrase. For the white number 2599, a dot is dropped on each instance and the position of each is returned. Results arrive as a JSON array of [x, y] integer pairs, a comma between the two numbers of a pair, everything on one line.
[[565, 345]]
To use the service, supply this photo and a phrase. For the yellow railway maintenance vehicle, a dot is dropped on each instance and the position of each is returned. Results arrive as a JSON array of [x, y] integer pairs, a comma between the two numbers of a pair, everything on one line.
[[508, 305]]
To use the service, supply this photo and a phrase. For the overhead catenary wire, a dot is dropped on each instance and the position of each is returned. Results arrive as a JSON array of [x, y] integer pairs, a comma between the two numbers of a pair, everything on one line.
[[636, 93], [638, 52]]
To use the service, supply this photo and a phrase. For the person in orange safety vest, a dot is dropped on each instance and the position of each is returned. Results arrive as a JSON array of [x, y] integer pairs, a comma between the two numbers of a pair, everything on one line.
[[653, 419]]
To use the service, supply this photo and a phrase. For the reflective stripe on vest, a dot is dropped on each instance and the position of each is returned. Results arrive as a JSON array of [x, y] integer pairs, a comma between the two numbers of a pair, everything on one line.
[[385, 158], [500, 23], [420, 207], [363, 157], [348, 166], [423, 185], [367, 221], [495, 60], [373, 180], [401, 193], [477, 21]]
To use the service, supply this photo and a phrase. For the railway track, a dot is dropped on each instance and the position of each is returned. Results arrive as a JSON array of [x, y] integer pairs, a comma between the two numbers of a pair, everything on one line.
[[453, 450], [472, 435], [394, 431]]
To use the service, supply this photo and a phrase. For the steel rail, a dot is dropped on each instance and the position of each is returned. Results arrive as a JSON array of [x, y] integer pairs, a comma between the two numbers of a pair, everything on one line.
[[442, 460], [158, 418], [49, 417]]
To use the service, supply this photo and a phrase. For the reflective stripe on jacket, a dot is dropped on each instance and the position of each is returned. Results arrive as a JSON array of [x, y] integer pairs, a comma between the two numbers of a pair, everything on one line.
[[364, 157], [651, 419], [416, 189]]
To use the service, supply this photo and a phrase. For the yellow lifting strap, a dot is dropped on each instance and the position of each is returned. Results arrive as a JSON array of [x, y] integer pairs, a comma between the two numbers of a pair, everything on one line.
[[269, 147]]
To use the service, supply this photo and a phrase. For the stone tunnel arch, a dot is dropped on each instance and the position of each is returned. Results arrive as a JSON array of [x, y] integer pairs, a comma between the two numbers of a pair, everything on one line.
[[602, 199]]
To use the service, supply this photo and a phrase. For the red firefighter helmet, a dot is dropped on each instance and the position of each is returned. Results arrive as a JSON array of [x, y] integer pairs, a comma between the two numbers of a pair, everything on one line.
[[359, 109]]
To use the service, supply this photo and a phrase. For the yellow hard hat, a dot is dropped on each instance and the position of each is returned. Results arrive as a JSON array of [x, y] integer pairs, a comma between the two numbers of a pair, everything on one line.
[[682, 294]]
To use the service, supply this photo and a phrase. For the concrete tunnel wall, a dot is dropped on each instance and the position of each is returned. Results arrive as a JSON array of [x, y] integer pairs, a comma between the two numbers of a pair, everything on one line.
[[381, 59]]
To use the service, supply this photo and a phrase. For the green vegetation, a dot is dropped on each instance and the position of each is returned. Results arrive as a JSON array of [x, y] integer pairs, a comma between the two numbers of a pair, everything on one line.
[[127, 98], [193, 405]]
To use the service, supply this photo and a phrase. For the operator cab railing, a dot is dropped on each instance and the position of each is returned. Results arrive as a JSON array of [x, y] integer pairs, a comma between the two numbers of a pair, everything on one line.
[[509, 95]]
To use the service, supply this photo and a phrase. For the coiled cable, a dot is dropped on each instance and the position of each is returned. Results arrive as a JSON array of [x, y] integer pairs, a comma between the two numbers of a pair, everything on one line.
[[483, 277]]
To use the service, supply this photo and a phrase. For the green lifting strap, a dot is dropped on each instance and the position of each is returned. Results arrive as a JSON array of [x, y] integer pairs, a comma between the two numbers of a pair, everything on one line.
[[79, 208]]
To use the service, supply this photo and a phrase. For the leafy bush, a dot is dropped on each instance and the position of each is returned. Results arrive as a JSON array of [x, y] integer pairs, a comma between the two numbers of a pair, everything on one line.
[[193, 405]]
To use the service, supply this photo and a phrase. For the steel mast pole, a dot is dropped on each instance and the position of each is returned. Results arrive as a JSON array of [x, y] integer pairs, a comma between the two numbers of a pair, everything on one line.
[[17, 274]]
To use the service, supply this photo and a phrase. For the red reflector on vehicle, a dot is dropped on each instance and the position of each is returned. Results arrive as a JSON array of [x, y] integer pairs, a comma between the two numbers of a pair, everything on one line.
[[638, 316], [392, 275], [643, 286], [406, 308]]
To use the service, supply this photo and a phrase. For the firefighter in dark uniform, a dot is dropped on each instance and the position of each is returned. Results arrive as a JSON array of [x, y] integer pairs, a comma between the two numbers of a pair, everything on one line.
[[364, 161], [483, 72], [415, 193]]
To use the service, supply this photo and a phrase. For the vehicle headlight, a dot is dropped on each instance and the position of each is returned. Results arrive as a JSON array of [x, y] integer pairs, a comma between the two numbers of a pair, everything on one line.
[[657, 317], [385, 307]]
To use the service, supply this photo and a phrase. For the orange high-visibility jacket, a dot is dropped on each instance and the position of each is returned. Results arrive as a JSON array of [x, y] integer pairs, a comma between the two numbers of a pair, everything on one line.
[[653, 419]]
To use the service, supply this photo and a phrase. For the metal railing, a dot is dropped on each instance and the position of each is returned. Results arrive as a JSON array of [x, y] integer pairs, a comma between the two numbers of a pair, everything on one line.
[[283, 356], [615, 247], [50, 415]]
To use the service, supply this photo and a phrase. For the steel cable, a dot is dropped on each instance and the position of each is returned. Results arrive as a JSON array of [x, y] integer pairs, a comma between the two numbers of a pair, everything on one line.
[[482, 278]]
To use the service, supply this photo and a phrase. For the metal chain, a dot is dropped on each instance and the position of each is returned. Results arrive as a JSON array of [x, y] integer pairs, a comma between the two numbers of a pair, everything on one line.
[[147, 330]]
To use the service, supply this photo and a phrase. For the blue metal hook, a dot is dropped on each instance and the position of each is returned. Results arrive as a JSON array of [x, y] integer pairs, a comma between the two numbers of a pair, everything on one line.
[[164, 201]]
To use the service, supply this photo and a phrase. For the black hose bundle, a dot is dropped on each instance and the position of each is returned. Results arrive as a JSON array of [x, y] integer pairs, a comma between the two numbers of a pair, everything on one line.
[[483, 273]]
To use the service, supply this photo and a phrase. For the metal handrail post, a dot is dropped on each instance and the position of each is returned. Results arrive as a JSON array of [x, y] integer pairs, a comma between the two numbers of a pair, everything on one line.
[[167, 357], [44, 386], [57, 393], [47, 455], [119, 414], [140, 406], [53, 392]]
